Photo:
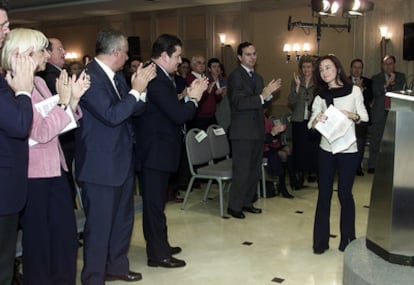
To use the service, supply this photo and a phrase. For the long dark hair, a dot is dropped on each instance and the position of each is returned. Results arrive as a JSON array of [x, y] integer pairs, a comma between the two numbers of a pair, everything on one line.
[[341, 78]]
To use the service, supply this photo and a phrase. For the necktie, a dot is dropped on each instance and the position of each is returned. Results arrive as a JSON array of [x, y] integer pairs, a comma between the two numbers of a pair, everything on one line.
[[172, 78], [252, 76], [387, 103], [117, 85], [253, 79]]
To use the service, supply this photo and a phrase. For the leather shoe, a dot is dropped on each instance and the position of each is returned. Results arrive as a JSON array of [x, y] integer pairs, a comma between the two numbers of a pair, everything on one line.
[[175, 250], [167, 263], [252, 209], [129, 277], [371, 170], [236, 214], [359, 172]]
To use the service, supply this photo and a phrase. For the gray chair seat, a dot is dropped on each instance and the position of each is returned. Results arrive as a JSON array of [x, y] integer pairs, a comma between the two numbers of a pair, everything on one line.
[[221, 169]]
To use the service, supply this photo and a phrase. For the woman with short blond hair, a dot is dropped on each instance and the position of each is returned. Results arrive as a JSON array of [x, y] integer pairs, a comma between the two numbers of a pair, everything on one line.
[[49, 227]]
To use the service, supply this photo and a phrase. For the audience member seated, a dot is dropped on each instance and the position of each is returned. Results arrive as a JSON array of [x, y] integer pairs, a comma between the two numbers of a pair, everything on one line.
[[278, 154]]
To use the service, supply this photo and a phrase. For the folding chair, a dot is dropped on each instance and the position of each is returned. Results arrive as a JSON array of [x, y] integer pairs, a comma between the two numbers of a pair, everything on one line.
[[199, 154]]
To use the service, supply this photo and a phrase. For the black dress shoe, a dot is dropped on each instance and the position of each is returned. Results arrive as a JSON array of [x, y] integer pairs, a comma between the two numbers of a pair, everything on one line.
[[236, 214], [130, 277], [360, 172], [167, 263], [371, 170], [252, 209], [175, 250]]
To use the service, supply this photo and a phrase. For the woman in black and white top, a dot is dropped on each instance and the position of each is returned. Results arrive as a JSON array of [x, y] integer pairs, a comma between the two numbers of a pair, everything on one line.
[[334, 88]]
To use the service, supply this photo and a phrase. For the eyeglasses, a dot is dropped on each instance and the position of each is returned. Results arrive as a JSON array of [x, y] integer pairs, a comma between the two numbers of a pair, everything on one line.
[[5, 25]]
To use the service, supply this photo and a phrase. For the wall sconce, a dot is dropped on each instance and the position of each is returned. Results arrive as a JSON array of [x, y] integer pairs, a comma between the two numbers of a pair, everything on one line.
[[385, 38], [71, 55], [287, 48], [222, 37]]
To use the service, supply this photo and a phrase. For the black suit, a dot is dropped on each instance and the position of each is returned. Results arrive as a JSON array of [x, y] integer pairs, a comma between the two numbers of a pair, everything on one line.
[[361, 129], [104, 165], [15, 123], [158, 147], [247, 136], [379, 113], [50, 74]]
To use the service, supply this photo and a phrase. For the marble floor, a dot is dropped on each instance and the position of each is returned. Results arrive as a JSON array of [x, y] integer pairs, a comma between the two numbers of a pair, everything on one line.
[[271, 248]]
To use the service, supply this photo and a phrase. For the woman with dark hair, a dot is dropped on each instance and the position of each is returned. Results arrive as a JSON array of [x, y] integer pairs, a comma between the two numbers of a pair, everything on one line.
[[304, 141], [333, 87]]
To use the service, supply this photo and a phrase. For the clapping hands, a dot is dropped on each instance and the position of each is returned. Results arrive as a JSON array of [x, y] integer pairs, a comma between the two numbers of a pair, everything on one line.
[[271, 87], [70, 89], [143, 76], [198, 86]]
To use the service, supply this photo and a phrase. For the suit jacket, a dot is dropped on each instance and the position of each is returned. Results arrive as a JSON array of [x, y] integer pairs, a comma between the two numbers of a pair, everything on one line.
[[15, 122], [246, 105], [159, 128], [104, 140], [50, 74], [378, 82], [46, 158]]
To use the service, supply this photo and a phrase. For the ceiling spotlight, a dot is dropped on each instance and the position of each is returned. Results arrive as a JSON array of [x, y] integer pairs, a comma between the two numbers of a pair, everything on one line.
[[357, 7], [325, 7]]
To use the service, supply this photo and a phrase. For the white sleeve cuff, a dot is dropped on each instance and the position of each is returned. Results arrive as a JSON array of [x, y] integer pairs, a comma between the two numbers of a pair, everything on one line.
[[261, 98], [188, 99], [23, 93], [267, 99], [139, 96]]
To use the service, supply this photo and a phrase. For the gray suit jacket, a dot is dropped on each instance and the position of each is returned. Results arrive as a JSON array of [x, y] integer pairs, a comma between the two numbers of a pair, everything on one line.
[[247, 121], [378, 82]]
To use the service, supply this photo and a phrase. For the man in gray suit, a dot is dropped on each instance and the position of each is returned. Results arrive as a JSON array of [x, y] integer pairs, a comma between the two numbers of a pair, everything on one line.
[[385, 81], [248, 96]]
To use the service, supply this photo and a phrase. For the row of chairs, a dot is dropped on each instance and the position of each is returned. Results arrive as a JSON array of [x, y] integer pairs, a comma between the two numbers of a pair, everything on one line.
[[203, 149], [208, 158]]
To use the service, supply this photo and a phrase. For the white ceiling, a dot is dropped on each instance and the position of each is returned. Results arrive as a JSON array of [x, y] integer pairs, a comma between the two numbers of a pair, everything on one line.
[[32, 11]]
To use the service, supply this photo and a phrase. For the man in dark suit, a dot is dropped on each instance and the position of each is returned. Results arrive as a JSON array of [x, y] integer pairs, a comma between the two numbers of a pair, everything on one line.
[[247, 96], [104, 160], [55, 64], [385, 81], [159, 139], [361, 129], [16, 116]]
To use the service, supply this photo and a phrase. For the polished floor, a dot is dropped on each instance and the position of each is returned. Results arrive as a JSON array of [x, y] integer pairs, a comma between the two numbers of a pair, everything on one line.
[[270, 248]]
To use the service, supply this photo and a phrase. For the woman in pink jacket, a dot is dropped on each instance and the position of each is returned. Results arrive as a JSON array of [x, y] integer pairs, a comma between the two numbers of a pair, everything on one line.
[[49, 227]]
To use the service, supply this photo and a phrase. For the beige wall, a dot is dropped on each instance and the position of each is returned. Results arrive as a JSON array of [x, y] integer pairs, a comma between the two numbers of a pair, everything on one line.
[[262, 23]]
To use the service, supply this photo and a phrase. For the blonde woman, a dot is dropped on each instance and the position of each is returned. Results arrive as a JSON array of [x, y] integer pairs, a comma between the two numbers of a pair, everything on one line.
[[49, 228]]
